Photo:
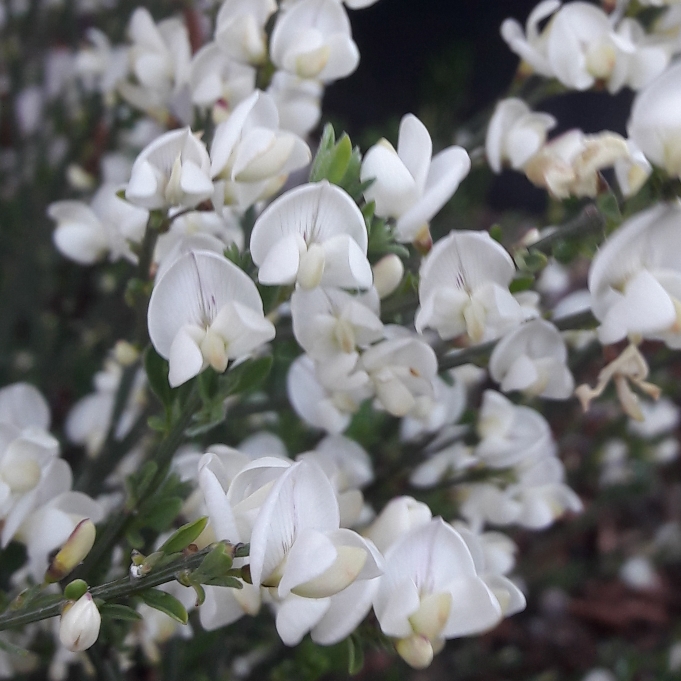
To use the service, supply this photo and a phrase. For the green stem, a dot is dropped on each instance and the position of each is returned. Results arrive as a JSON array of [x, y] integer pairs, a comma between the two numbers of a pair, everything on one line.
[[114, 590], [579, 320], [588, 221]]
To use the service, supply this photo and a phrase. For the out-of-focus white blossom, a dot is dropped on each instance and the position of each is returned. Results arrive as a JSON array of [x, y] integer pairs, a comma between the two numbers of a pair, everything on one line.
[[570, 165], [240, 29], [108, 226], [515, 134], [250, 156], [214, 77], [402, 371], [410, 184], [655, 121], [581, 46], [298, 101], [533, 359], [312, 39], [159, 59], [635, 278]]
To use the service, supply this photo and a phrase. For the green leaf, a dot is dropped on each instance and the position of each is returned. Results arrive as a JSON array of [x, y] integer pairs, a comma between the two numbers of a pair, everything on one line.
[[522, 283], [183, 537], [246, 376], [216, 564], [160, 512], [160, 600], [609, 207], [322, 158], [339, 158], [157, 374], [355, 656], [231, 582], [200, 595], [117, 611]]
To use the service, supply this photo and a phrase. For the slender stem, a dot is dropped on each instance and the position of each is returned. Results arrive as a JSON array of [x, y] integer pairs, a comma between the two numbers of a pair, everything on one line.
[[114, 590], [578, 320], [589, 220]]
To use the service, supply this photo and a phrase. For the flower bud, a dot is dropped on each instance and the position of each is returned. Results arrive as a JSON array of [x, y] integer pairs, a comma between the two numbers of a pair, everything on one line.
[[77, 546], [79, 626], [388, 272]]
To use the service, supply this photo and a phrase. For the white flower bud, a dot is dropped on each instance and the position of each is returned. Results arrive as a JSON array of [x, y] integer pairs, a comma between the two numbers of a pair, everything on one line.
[[388, 272], [79, 626]]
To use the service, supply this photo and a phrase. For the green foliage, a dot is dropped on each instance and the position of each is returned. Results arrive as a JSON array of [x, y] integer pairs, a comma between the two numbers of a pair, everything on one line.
[[338, 163], [118, 611], [184, 536], [163, 601], [75, 589]]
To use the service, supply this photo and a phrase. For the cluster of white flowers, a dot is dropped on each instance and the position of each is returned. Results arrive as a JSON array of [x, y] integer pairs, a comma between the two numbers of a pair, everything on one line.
[[236, 252]]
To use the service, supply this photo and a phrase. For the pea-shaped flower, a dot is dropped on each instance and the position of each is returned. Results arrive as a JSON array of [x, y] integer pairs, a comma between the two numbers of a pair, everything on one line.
[[410, 184], [205, 311], [313, 235]]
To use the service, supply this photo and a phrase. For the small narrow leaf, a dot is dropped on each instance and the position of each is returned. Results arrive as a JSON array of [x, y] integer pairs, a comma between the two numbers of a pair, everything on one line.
[[355, 657], [182, 538], [216, 564], [160, 512], [160, 600], [117, 611], [231, 582]]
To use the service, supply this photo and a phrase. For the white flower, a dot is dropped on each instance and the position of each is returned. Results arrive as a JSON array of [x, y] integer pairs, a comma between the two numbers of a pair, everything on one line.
[[410, 185], [580, 46], [313, 39], [205, 311], [329, 322], [174, 170], [399, 516], [402, 370], [511, 434], [159, 59], [313, 235], [464, 288], [635, 279], [108, 226], [215, 77], [317, 405], [632, 171], [655, 121], [658, 418], [570, 164], [431, 592], [535, 501], [298, 101], [240, 29], [297, 547], [79, 626], [515, 134], [250, 156], [532, 358]]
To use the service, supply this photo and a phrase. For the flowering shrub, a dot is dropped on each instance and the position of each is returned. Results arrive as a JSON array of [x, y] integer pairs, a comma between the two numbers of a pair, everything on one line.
[[317, 409]]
